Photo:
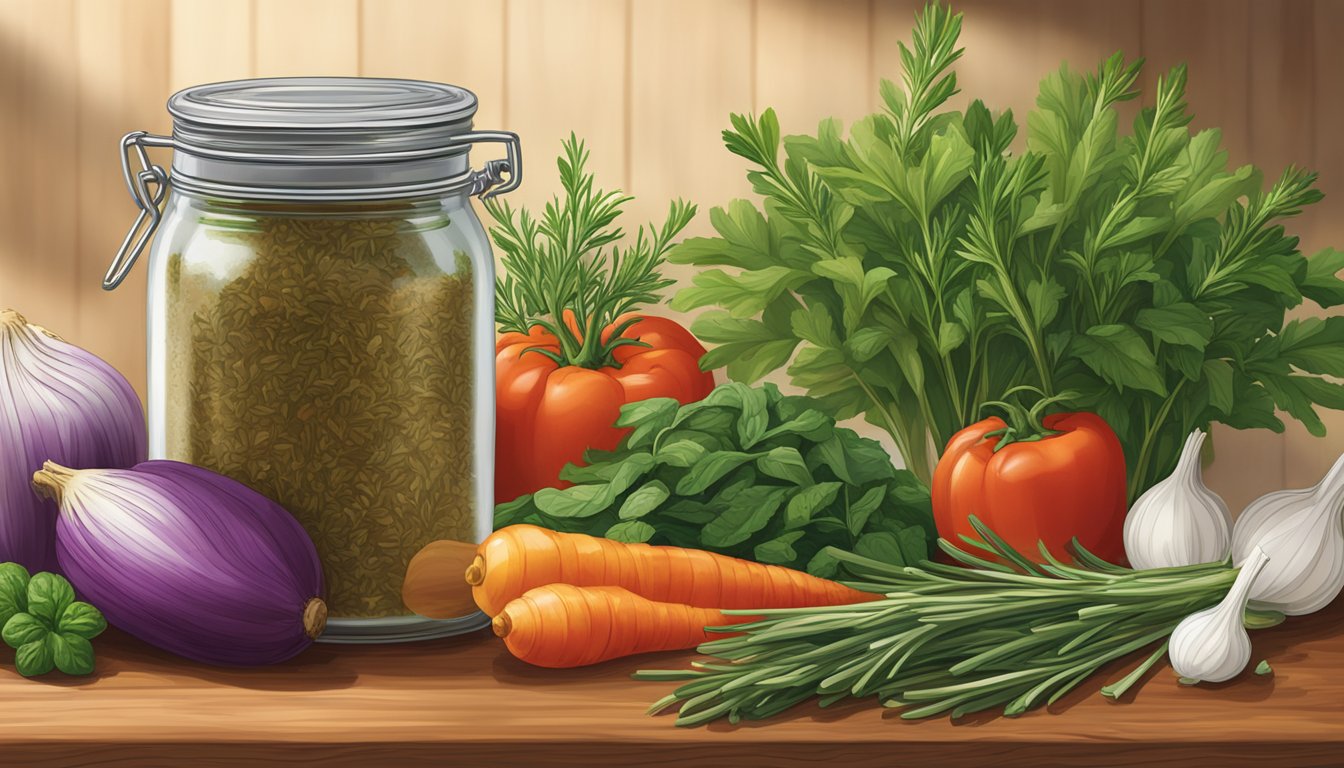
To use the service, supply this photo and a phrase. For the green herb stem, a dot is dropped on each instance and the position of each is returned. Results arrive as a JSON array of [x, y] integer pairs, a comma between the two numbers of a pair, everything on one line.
[[946, 639], [570, 262]]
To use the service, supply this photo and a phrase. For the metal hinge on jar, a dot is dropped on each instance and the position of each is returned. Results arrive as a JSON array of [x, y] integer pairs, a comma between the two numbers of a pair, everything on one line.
[[148, 187], [506, 173]]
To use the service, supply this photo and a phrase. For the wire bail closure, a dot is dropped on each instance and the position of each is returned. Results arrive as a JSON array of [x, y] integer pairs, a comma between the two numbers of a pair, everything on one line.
[[149, 185], [484, 181]]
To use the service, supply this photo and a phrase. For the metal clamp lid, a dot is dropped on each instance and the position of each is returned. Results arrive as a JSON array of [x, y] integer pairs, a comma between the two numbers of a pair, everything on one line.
[[147, 198], [149, 184]]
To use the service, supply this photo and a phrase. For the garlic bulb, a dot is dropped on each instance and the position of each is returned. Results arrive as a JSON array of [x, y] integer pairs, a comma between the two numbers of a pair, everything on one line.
[[1179, 521], [1301, 532], [62, 403], [1212, 645]]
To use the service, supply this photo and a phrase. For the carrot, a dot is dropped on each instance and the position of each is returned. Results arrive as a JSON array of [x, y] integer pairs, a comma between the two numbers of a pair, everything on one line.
[[561, 625], [520, 557]]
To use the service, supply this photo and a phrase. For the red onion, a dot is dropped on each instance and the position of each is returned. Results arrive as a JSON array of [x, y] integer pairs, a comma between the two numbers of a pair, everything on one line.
[[62, 403], [188, 560]]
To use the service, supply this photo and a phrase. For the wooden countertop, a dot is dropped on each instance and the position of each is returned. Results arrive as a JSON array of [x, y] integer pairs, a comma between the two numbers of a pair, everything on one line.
[[465, 699]]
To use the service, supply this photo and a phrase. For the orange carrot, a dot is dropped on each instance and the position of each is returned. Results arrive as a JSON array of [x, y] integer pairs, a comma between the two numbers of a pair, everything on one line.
[[520, 557], [561, 625]]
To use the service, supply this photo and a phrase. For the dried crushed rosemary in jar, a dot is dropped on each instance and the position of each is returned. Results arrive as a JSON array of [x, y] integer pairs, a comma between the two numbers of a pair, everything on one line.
[[329, 372]]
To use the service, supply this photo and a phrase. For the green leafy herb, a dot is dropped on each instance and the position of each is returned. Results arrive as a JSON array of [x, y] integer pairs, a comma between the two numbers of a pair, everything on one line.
[[916, 268], [1263, 668], [948, 639], [746, 472], [565, 272], [48, 628]]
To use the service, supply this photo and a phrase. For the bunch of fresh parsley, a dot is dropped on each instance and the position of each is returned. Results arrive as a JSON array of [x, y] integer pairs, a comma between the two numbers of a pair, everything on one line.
[[745, 472], [44, 623], [917, 268]]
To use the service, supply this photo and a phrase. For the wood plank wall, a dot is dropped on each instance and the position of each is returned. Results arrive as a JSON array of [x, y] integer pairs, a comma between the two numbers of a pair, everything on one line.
[[648, 82]]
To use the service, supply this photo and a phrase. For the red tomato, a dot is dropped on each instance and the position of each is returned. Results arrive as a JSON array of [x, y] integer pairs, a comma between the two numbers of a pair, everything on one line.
[[547, 415], [1050, 490]]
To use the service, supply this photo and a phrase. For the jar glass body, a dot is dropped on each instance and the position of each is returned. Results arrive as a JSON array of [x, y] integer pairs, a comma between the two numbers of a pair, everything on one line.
[[337, 357]]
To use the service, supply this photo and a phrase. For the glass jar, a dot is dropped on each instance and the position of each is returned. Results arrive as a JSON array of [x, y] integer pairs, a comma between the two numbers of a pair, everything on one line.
[[321, 306]]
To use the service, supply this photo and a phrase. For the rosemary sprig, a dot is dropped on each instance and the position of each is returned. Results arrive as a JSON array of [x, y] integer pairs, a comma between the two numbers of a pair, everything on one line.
[[947, 639], [566, 272]]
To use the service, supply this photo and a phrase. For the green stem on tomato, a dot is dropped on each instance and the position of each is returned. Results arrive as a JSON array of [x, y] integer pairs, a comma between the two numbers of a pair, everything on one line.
[[1024, 425]]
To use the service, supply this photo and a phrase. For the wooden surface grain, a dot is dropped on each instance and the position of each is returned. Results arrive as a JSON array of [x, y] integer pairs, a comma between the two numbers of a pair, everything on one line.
[[466, 699]]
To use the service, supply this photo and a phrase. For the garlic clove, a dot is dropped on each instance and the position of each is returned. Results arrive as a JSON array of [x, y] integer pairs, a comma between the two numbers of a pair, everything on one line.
[[1179, 521], [1212, 645], [1301, 532]]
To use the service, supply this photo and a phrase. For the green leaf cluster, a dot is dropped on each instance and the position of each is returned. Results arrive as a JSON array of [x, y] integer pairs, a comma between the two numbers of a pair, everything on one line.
[[44, 623], [746, 472], [917, 267]]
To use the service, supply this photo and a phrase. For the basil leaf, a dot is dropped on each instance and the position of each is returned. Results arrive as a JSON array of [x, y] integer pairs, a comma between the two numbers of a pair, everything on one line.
[[643, 501], [21, 629], [13, 590], [630, 532], [33, 659], [82, 619], [785, 463], [71, 653], [48, 596]]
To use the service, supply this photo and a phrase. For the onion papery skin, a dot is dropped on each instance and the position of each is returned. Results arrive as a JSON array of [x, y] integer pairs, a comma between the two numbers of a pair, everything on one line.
[[60, 403], [191, 562]]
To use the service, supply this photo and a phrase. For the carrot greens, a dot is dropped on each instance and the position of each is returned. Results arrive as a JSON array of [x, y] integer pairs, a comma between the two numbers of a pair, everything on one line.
[[920, 265]]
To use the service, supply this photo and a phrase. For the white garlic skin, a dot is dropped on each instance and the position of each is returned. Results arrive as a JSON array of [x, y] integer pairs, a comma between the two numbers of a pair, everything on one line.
[[1301, 532], [1179, 521], [1212, 645]]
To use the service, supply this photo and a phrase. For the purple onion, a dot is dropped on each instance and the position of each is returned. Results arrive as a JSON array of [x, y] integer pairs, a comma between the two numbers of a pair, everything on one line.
[[62, 403], [188, 560]]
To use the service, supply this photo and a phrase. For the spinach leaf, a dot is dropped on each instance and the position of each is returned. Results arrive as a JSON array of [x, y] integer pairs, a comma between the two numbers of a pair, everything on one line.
[[746, 472]]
